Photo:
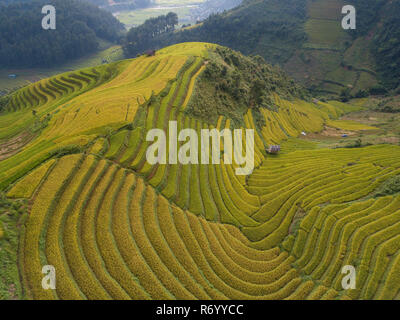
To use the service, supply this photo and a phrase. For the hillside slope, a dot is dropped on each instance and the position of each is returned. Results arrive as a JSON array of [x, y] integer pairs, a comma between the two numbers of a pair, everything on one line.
[[116, 227], [306, 39]]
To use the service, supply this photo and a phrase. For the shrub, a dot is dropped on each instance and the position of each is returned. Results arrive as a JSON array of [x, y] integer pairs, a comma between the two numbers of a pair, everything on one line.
[[378, 90], [391, 186], [345, 95], [1, 231], [4, 102], [356, 144], [61, 152]]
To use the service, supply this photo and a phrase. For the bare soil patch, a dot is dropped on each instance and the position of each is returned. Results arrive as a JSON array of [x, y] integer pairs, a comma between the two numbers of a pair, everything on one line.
[[12, 146]]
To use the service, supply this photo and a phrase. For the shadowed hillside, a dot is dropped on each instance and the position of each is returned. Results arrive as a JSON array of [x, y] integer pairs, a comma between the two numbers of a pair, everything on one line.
[[79, 28], [307, 40]]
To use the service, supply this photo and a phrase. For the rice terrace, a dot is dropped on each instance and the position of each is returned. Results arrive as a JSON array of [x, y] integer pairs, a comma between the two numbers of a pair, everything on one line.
[[192, 171], [115, 227]]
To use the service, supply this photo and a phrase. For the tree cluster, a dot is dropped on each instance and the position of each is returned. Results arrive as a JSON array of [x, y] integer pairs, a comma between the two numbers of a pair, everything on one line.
[[142, 38], [80, 25]]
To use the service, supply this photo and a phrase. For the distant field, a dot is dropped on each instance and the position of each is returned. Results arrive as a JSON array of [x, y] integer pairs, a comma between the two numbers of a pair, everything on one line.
[[160, 7], [349, 125], [137, 17], [325, 32], [326, 9], [323, 26]]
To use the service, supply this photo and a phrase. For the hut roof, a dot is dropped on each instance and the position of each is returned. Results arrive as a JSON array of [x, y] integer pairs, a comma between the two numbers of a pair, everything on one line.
[[274, 148]]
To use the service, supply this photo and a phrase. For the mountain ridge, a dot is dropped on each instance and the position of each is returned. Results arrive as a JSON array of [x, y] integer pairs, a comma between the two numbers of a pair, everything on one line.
[[306, 39]]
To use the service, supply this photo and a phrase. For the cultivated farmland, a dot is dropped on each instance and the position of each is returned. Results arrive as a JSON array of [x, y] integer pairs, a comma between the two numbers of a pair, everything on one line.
[[116, 227]]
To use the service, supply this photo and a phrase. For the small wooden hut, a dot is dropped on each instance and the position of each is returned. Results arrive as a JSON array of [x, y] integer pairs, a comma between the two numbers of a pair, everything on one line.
[[150, 53], [274, 149]]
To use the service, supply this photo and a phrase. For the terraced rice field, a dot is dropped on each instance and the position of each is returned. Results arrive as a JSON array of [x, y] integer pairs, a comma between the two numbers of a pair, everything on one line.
[[116, 227]]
